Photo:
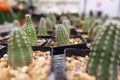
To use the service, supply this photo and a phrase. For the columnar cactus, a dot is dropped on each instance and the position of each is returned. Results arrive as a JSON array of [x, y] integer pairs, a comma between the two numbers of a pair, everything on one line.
[[62, 36], [49, 24], [52, 18], [30, 31], [19, 51], [104, 58], [95, 28], [42, 29], [86, 25], [66, 23]]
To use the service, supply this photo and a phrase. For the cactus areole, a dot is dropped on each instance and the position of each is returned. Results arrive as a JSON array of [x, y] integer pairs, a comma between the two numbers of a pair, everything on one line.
[[104, 58], [30, 31], [62, 36], [19, 51]]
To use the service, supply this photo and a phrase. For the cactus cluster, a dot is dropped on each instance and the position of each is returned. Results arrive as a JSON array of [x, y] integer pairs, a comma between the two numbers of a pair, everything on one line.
[[104, 58], [42, 29], [19, 51], [62, 36], [66, 23], [52, 18], [30, 31]]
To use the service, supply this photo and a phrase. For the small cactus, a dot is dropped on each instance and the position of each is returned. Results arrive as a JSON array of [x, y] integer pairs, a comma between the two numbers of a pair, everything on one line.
[[49, 24], [86, 25], [30, 31], [94, 29], [19, 51], [104, 58], [66, 23], [52, 18], [42, 29], [62, 36]]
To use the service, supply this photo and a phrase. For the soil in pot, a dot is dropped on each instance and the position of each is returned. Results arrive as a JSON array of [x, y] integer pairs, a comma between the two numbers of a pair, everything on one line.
[[39, 69], [78, 40]]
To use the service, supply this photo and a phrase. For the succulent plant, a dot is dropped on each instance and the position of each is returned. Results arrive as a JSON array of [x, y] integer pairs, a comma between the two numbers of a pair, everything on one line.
[[49, 24], [42, 29], [66, 23], [95, 28], [52, 18], [104, 58], [62, 36], [86, 25], [30, 31], [19, 51]]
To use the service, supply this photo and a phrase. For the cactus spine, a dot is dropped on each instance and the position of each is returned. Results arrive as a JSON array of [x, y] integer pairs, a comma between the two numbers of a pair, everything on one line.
[[62, 36], [30, 31], [104, 58], [42, 29], [66, 23], [49, 24], [19, 51]]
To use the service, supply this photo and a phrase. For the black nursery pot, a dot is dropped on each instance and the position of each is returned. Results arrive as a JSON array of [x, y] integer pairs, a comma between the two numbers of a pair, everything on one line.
[[3, 50], [76, 52], [60, 49]]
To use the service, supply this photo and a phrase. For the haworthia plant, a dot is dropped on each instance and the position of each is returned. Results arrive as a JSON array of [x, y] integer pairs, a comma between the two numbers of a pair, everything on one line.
[[30, 31], [42, 29], [104, 58], [19, 51], [62, 36], [95, 28], [66, 23], [49, 24]]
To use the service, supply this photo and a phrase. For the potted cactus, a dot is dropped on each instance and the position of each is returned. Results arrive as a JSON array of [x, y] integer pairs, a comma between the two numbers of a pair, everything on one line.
[[22, 61]]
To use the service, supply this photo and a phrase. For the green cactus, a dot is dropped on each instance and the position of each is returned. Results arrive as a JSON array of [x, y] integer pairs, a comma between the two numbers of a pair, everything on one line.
[[66, 23], [62, 36], [52, 18], [42, 29], [86, 25], [30, 31], [95, 28], [104, 58], [19, 51], [49, 24]]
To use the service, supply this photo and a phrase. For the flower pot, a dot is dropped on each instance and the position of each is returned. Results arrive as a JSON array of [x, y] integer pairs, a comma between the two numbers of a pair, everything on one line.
[[39, 69]]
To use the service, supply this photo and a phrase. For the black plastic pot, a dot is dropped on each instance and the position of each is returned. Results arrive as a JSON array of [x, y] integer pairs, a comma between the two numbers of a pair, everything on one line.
[[76, 52], [3, 50], [60, 49]]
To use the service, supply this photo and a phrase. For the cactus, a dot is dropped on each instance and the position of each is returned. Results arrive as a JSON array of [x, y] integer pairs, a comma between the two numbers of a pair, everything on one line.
[[95, 28], [42, 29], [66, 23], [104, 58], [30, 31], [52, 18], [86, 25], [62, 36], [49, 24], [19, 51]]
